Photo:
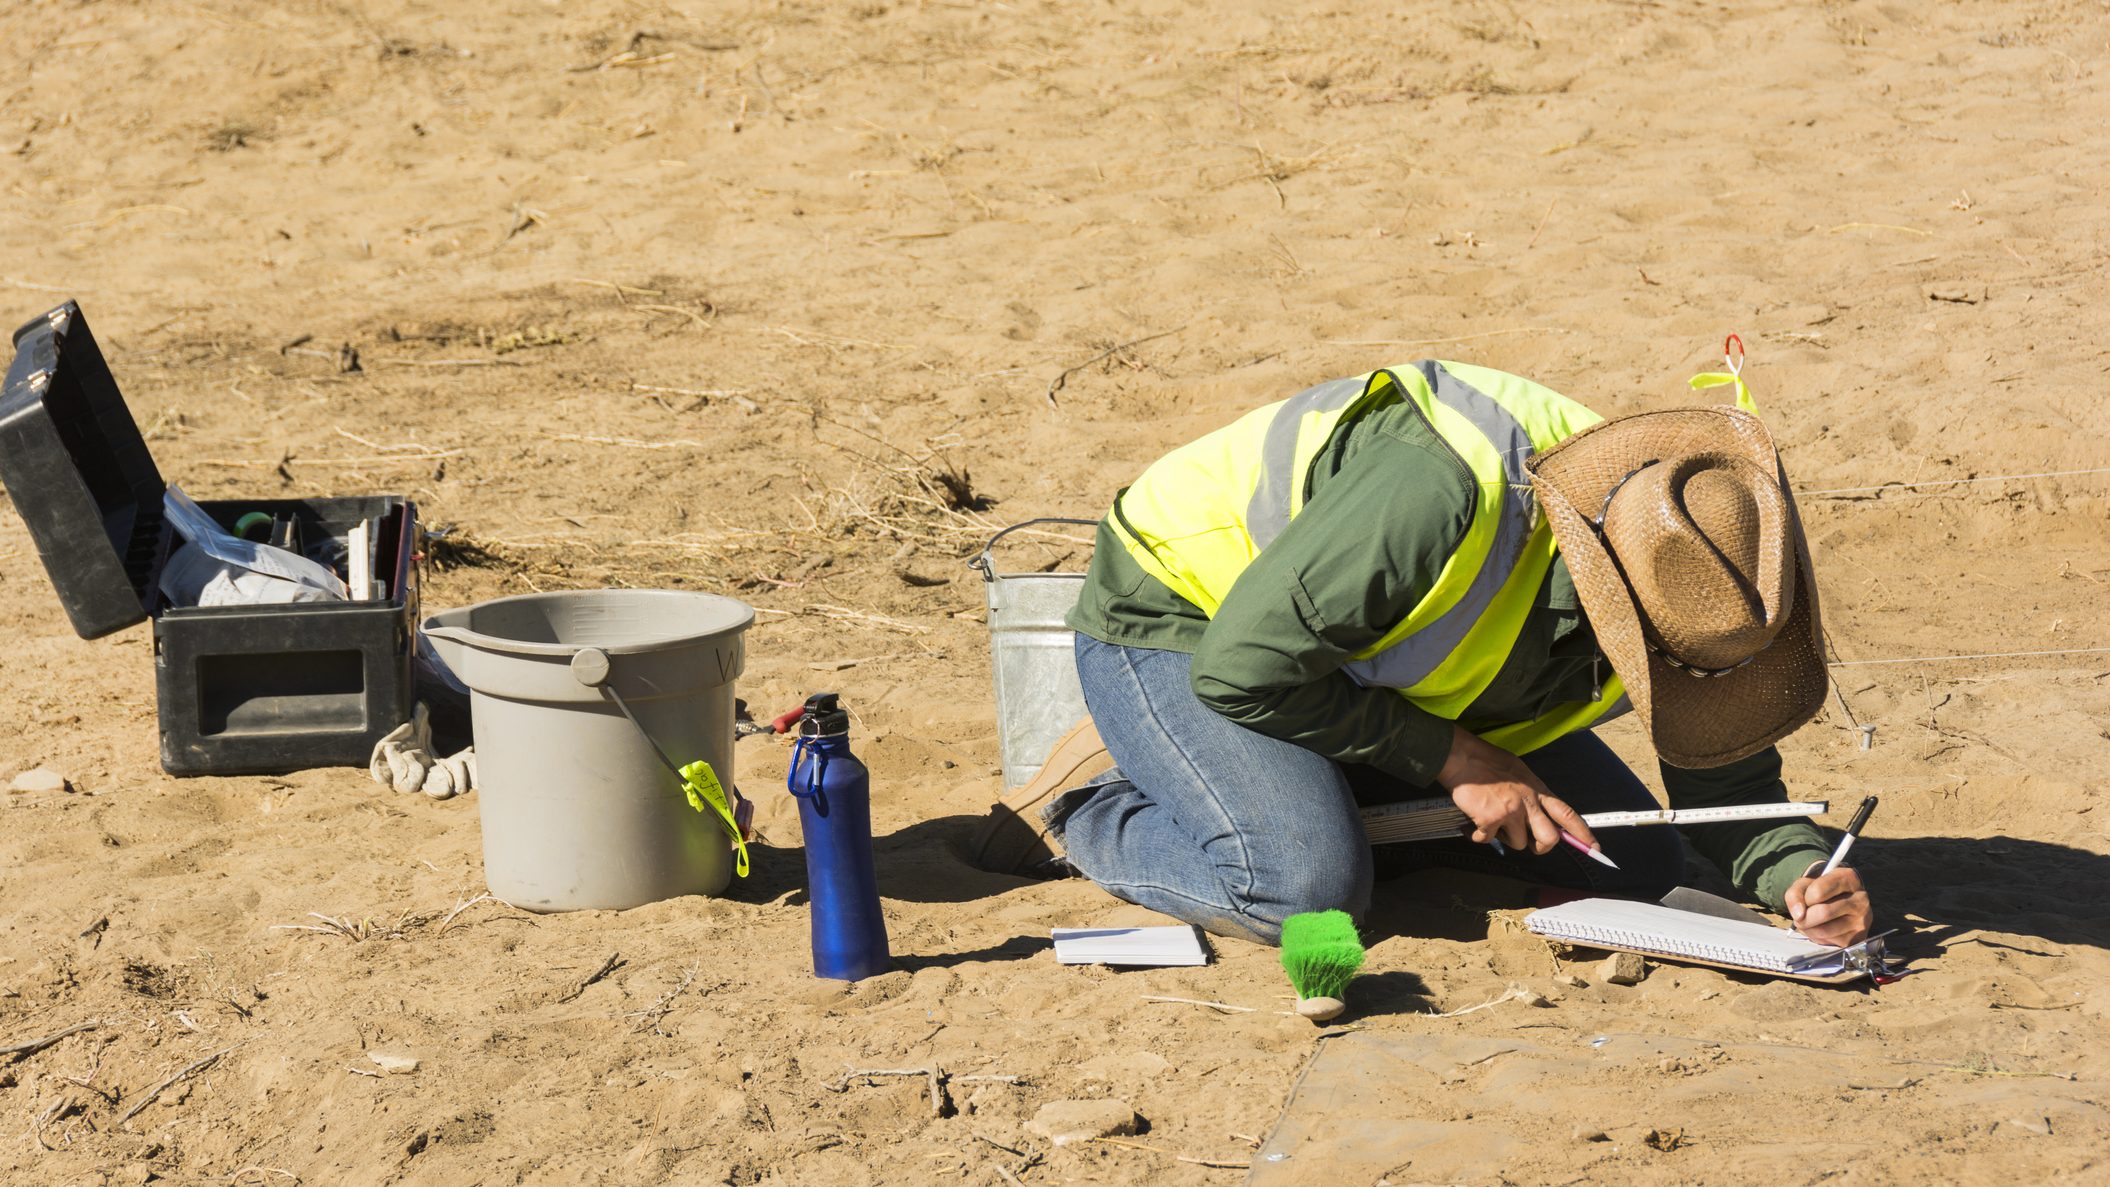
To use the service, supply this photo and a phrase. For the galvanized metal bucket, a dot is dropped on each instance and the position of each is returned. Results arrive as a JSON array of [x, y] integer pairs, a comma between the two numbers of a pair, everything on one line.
[[1033, 658]]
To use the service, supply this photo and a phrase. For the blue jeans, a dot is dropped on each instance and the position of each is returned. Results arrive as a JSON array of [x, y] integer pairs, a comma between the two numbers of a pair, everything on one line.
[[1234, 831]]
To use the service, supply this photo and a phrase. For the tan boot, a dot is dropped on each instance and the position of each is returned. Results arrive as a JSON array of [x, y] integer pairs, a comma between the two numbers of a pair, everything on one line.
[[1015, 839]]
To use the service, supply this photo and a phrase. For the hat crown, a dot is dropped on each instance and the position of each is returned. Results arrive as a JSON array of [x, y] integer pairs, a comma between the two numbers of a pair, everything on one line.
[[1685, 547], [1704, 543]]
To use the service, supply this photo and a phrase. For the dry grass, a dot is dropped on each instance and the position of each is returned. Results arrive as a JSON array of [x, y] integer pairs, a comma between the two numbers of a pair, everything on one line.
[[406, 925]]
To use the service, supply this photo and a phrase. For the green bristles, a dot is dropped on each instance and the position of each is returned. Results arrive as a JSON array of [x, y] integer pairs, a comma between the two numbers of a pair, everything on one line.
[[1320, 952]]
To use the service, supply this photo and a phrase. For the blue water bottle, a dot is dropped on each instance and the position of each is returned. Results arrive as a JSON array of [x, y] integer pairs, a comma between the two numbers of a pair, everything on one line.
[[834, 791]]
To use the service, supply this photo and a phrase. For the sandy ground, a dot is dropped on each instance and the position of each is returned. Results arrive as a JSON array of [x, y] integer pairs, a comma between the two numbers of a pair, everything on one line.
[[714, 294]]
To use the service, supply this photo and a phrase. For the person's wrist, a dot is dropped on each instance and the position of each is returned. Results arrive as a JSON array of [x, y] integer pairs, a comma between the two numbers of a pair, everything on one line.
[[1458, 760]]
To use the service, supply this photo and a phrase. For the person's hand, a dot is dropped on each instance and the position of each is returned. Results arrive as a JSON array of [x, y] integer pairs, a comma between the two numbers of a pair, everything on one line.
[[1504, 798], [1833, 909]]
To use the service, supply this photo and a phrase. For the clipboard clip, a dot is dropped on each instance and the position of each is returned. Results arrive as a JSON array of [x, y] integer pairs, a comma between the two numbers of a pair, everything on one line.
[[1870, 957]]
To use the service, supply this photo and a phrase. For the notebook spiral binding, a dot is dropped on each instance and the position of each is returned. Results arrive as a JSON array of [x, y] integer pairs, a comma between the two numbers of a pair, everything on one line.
[[1719, 953]]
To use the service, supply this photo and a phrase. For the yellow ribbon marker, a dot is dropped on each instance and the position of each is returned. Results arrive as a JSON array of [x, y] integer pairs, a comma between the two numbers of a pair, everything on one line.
[[700, 784], [1732, 358]]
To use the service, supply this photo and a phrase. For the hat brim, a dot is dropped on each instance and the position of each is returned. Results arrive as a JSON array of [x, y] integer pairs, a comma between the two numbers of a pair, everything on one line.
[[1693, 721]]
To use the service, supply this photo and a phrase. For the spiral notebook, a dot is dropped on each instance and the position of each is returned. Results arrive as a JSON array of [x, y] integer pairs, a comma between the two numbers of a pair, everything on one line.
[[1685, 935]]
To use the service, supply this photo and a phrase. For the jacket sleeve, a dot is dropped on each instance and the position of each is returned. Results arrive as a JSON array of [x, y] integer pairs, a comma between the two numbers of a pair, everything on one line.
[[1362, 553], [1762, 857]]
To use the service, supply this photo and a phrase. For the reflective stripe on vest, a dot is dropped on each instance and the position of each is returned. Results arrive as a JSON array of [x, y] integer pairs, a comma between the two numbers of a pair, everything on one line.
[[1197, 518], [1412, 651], [1280, 492]]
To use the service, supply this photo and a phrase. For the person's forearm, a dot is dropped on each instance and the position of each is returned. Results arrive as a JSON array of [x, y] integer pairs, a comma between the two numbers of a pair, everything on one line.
[[1761, 858]]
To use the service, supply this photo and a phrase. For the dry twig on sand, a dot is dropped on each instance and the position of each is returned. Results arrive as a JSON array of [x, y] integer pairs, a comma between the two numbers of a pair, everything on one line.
[[624, 442], [401, 928], [449, 362], [844, 613], [697, 318], [948, 488], [1515, 993], [378, 447], [1062, 380], [23, 1051], [657, 1012], [1227, 1163], [61, 1108], [396, 459], [1219, 1007], [182, 1073], [934, 1074], [360, 930], [465, 904], [615, 961]]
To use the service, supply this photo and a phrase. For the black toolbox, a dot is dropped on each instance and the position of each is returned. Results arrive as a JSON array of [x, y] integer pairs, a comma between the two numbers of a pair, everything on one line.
[[251, 689]]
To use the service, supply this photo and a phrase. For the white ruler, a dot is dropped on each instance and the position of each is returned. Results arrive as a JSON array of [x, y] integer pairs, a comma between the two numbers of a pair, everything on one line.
[[1435, 819], [1597, 820]]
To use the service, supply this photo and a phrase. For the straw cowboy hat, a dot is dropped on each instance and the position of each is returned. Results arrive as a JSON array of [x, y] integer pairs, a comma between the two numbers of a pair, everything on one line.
[[1688, 554]]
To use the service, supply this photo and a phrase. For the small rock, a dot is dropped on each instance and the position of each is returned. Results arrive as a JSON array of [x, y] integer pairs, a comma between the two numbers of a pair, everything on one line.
[[1528, 996], [2036, 1125], [1623, 968], [393, 1063], [1585, 1133], [1571, 981], [1066, 1121], [39, 779]]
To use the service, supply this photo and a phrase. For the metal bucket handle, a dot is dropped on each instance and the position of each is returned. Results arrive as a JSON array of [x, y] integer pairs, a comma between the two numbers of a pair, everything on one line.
[[590, 667], [988, 567]]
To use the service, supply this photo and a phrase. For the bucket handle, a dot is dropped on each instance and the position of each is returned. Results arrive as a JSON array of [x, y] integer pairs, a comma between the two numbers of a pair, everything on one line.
[[590, 667], [988, 567]]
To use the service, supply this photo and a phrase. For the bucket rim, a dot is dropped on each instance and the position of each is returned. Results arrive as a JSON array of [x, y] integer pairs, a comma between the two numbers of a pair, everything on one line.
[[452, 625], [1066, 576]]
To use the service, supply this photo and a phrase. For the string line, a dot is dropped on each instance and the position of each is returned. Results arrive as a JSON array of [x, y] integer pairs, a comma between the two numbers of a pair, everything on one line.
[[1935, 659], [1855, 490]]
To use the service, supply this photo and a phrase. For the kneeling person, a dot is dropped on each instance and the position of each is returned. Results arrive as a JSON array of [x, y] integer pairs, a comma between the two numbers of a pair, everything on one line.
[[1432, 577]]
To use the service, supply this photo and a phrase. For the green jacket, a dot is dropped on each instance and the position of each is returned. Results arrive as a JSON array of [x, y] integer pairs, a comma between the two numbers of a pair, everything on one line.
[[1386, 508]]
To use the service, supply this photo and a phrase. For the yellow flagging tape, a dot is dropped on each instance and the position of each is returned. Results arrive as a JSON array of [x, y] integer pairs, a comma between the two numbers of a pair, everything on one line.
[[1707, 379], [1733, 358], [701, 785]]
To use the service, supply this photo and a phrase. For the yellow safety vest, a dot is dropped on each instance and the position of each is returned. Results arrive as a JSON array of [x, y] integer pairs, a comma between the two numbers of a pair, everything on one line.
[[1200, 514]]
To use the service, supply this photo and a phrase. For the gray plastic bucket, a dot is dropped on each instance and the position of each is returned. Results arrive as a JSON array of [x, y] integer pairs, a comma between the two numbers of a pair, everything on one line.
[[1032, 657], [578, 811]]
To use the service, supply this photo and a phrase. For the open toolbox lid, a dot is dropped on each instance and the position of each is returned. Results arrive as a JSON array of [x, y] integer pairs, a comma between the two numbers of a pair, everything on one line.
[[81, 476]]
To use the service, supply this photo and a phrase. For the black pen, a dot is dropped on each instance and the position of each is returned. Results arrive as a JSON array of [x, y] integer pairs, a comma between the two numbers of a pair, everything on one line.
[[1860, 821]]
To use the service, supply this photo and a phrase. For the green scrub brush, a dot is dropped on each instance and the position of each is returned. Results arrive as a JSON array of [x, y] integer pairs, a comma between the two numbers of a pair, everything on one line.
[[1320, 952]]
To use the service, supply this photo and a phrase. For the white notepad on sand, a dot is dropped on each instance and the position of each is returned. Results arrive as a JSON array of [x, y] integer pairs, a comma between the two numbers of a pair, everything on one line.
[[1666, 931], [1156, 946]]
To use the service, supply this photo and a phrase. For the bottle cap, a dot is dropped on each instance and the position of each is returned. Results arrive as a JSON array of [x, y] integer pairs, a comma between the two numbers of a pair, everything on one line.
[[825, 715]]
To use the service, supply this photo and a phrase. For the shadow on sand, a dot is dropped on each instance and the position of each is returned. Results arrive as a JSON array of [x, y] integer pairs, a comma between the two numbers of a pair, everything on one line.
[[1937, 891]]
